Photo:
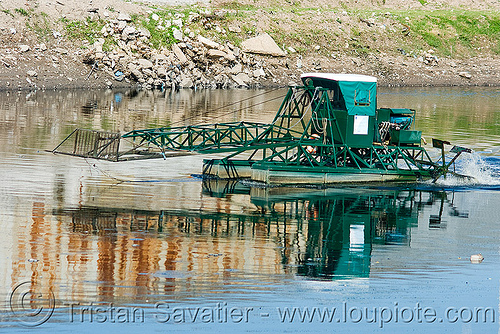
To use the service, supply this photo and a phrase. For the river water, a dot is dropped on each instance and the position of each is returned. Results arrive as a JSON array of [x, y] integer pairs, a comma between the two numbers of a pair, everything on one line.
[[144, 245]]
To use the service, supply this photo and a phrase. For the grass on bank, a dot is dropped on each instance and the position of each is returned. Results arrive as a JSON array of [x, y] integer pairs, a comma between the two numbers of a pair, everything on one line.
[[454, 33]]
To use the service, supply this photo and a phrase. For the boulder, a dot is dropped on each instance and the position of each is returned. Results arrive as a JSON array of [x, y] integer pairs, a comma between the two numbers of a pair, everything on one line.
[[186, 83], [177, 34], [262, 44], [61, 50], [124, 17], [24, 48], [144, 32], [259, 73], [179, 54], [236, 69], [161, 72], [177, 23], [230, 56], [128, 33], [465, 74], [241, 79], [144, 63], [121, 25], [213, 53], [208, 43], [134, 71], [234, 28]]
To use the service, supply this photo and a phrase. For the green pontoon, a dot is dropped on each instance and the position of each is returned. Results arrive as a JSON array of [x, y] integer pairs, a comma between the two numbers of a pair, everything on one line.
[[327, 131]]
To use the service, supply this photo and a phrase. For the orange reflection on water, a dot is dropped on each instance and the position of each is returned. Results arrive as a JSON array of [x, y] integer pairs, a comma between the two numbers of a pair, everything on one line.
[[92, 256]]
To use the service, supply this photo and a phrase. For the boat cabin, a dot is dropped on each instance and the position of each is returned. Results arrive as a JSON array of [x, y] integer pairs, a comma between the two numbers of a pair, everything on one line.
[[352, 100]]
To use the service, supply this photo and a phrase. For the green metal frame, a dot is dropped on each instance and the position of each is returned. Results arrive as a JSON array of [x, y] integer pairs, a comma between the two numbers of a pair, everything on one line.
[[306, 134], [288, 141]]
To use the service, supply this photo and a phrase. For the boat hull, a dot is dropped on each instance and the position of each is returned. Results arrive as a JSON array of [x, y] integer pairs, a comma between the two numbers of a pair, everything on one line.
[[285, 175]]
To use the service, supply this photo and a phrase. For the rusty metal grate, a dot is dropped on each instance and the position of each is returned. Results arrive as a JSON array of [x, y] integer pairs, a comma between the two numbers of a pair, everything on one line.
[[91, 144]]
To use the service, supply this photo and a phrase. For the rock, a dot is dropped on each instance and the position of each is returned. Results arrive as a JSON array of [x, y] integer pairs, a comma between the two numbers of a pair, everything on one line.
[[136, 74], [109, 83], [179, 54], [177, 34], [121, 25], [177, 23], [259, 73], [99, 56], [32, 73], [42, 47], [234, 29], [230, 56], [429, 58], [161, 72], [186, 83], [236, 69], [134, 71], [124, 17], [159, 60], [213, 53], [155, 17], [453, 64], [61, 50], [208, 43], [369, 22], [148, 72], [317, 47], [299, 62], [13, 31], [241, 79], [128, 30], [262, 44], [128, 33], [56, 34], [292, 50], [24, 48], [465, 74], [145, 64], [144, 32]]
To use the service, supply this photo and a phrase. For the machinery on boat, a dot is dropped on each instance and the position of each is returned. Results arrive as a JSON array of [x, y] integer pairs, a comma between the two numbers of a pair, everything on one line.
[[326, 131]]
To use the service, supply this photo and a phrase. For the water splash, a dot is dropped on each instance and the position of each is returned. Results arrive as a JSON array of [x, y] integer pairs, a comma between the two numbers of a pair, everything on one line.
[[483, 171]]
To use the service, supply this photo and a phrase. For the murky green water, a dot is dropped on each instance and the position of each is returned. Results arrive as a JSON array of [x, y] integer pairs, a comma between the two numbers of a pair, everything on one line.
[[164, 251]]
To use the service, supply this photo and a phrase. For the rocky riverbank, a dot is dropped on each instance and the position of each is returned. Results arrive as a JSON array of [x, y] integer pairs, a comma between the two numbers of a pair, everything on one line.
[[207, 47]]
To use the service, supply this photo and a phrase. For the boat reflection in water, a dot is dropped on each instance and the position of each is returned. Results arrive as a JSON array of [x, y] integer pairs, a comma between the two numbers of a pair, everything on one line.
[[313, 233], [340, 226]]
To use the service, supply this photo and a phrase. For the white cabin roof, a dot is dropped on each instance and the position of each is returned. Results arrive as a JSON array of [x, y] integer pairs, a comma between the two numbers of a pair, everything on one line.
[[340, 77]]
